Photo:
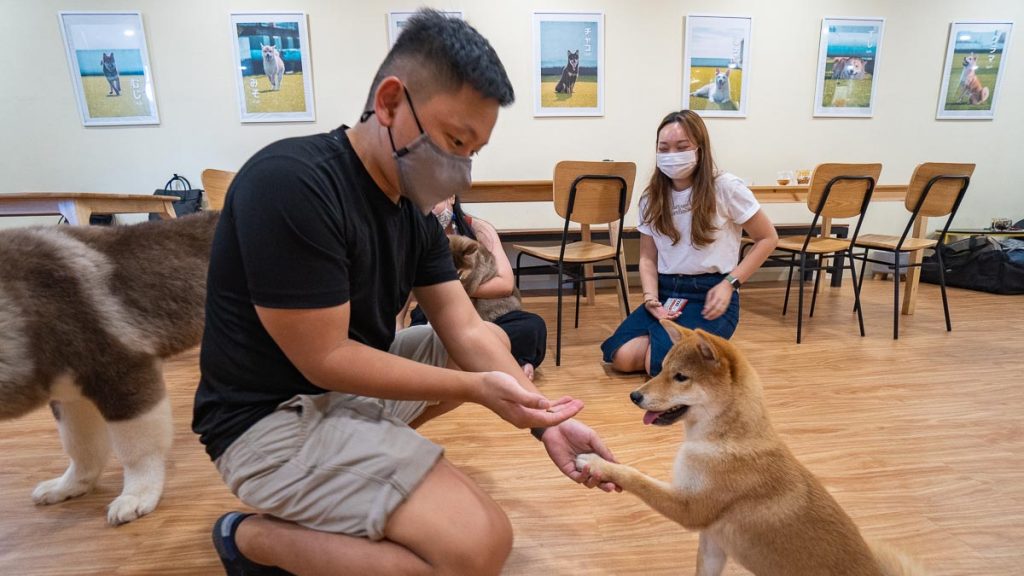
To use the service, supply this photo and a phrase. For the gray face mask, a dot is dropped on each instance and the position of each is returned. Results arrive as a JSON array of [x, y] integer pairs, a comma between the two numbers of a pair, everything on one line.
[[426, 173]]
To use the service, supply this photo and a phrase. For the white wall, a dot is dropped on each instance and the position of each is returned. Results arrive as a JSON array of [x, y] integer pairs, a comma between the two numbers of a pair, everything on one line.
[[45, 148]]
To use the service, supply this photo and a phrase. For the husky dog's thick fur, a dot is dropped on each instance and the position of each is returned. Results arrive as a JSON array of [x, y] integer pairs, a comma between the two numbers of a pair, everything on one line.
[[476, 265], [735, 480], [110, 72], [273, 66], [571, 73], [86, 316]]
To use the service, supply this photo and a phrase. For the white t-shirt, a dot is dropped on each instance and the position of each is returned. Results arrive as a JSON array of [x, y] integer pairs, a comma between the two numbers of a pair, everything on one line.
[[735, 204]]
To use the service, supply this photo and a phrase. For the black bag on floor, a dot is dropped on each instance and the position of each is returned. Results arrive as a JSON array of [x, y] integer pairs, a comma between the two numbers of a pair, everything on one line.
[[190, 200], [980, 263]]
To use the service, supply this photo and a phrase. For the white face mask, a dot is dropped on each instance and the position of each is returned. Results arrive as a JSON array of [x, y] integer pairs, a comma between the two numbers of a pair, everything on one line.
[[677, 165]]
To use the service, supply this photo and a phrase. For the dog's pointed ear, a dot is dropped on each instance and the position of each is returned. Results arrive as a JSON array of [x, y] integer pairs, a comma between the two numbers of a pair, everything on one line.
[[706, 346], [675, 331]]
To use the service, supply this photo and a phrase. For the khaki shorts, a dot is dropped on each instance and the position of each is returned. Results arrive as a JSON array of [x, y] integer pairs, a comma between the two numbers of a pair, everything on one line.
[[337, 462]]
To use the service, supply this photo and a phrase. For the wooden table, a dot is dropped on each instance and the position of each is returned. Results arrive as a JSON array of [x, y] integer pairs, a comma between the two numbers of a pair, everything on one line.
[[540, 191], [76, 207]]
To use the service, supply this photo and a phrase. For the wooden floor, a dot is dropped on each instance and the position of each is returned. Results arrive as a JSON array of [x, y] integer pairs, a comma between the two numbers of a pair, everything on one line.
[[921, 440]]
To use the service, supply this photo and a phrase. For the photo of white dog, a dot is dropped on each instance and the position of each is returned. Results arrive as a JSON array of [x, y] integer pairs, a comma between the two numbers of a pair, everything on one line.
[[273, 66], [718, 91]]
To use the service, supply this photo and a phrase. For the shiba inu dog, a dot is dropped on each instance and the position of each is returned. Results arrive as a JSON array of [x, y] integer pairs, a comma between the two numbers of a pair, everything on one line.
[[970, 87], [273, 66], [718, 91], [86, 316], [849, 68], [571, 72], [476, 265], [111, 74], [735, 480]]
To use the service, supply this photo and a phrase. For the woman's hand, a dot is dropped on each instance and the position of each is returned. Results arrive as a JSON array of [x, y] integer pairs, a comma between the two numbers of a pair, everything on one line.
[[717, 300], [655, 308]]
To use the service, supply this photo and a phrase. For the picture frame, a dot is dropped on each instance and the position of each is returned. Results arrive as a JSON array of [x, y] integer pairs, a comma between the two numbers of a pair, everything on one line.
[[109, 64], [970, 88], [848, 66], [568, 63], [273, 66], [397, 20], [716, 60]]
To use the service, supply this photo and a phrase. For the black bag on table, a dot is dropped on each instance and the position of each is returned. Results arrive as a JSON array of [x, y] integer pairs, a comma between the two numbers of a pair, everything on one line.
[[190, 199], [980, 263]]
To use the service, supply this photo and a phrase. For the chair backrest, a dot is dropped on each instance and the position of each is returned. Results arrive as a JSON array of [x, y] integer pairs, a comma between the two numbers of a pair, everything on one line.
[[596, 200], [944, 193], [216, 183], [846, 197]]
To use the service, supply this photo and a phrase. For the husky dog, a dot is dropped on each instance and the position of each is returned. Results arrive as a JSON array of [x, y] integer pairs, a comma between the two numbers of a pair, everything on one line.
[[970, 87], [110, 72], [571, 72], [476, 265], [717, 91], [273, 66], [87, 314], [735, 480], [849, 68]]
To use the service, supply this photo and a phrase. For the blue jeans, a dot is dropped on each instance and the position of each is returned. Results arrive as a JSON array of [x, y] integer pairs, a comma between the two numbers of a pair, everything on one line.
[[642, 323]]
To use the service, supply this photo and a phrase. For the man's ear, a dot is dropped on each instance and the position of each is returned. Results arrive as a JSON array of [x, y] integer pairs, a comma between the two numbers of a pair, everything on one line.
[[386, 99]]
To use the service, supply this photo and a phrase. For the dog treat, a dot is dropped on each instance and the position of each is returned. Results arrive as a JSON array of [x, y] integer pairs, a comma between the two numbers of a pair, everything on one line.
[[675, 304]]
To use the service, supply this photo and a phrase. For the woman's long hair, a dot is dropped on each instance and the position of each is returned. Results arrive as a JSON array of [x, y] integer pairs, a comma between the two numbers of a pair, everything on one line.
[[702, 199], [459, 218]]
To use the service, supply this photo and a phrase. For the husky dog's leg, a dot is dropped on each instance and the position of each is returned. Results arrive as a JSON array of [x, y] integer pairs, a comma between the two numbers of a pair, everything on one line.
[[141, 444], [84, 436], [710, 557]]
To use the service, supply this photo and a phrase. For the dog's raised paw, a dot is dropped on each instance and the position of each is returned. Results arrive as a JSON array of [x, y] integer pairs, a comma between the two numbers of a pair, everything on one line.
[[58, 490], [128, 507], [591, 460]]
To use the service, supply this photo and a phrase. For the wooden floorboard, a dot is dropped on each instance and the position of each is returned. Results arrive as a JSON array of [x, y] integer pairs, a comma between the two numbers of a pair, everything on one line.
[[921, 440]]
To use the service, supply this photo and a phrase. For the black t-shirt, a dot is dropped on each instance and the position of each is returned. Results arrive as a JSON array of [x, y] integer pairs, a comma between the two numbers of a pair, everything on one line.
[[304, 226]]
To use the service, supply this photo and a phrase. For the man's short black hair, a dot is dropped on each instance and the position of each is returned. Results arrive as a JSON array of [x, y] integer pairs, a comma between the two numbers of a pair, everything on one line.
[[436, 53]]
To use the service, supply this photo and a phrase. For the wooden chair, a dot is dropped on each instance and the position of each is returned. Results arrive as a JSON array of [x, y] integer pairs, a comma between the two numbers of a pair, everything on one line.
[[216, 183], [586, 193], [836, 191], [935, 190]]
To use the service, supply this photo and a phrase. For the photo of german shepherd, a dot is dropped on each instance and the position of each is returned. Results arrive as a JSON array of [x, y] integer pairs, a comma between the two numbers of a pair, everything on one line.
[[87, 314], [571, 72], [735, 481], [111, 74]]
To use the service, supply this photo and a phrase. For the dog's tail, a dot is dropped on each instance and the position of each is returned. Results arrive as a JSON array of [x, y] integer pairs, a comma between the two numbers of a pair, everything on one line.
[[984, 95], [893, 562]]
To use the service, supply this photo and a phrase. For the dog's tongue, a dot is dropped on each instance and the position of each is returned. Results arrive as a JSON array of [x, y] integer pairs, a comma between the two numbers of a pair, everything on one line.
[[651, 416]]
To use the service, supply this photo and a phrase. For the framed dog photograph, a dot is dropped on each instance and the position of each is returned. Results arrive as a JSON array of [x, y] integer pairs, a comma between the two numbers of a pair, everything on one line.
[[848, 66], [568, 64], [273, 75], [975, 68], [397, 20], [716, 58], [109, 64]]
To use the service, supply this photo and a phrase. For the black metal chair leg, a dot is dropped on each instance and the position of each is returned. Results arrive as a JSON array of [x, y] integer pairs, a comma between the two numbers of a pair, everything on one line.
[[800, 300], [817, 282], [856, 292], [622, 285], [942, 288], [579, 288], [789, 282], [896, 297], [558, 338], [863, 264]]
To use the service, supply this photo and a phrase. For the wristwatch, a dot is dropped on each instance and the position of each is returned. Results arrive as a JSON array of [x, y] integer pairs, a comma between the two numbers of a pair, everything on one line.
[[734, 281]]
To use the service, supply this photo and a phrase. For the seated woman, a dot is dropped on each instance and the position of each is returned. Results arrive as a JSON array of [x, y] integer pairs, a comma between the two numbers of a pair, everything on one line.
[[526, 331], [691, 216]]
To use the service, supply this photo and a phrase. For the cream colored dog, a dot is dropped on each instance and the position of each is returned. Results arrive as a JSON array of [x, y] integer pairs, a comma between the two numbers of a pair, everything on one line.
[[735, 480]]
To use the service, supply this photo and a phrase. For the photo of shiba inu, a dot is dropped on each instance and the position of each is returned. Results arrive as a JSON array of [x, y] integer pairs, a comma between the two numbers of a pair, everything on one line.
[[735, 480], [849, 68], [718, 91], [87, 314], [570, 74], [476, 265], [273, 66], [970, 87], [111, 74]]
